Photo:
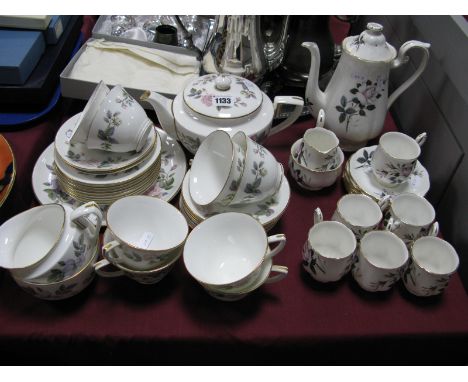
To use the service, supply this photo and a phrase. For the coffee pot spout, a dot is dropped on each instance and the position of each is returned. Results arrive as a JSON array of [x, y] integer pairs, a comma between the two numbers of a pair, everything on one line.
[[314, 95], [163, 108]]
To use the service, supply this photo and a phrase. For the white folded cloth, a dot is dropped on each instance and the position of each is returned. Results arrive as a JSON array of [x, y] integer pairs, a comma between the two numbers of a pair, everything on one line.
[[135, 66]]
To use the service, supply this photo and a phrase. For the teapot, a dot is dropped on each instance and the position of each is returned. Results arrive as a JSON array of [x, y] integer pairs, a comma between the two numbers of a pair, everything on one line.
[[356, 99], [221, 101]]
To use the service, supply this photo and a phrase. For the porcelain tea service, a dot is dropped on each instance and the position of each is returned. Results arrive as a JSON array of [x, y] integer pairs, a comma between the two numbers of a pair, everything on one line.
[[112, 121], [328, 252], [224, 101], [356, 99], [228, 253]]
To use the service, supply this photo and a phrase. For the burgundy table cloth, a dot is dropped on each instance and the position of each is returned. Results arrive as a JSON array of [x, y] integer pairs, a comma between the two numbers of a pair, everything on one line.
[[296, 321]]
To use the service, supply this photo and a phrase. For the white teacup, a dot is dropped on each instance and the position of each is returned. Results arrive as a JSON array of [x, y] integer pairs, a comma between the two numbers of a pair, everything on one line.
[[216, 171], [433, 261], [262, 174], [410, 216], [49, 243], [395, 158], [381, 260], [328, 253], [227, 250], [120, 123], [146, 233], [359, 213]]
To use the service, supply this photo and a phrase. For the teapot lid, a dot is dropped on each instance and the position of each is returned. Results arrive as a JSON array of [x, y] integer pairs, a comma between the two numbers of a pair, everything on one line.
[[370, 45], [223, 96]]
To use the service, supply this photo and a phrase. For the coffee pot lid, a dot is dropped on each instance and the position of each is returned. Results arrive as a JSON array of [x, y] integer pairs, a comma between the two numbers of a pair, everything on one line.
[[370, 45], [223, 96]]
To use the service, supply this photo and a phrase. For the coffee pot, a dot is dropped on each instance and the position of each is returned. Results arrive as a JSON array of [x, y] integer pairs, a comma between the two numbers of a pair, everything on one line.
[[356, 99]]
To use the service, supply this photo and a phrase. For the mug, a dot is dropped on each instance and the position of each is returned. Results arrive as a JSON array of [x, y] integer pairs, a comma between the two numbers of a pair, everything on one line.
[[49, 243], [228, 250], [433, 261], [216, 171], [120, 123], [328, 253], [381, 260], [144, 233], [262, 174], [359, 212], [395, 158], [410, 216], [320, 148]]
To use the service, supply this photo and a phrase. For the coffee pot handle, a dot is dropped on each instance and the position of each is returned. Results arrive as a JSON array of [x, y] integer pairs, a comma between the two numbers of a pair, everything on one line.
[[401, 59], [281, 272], [281, 240], [286, 100], [104, 263], [82, 218]]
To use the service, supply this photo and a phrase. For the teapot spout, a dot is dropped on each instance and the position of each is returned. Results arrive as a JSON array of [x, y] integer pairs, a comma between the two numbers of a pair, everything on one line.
[[313, 93], [163, 108]]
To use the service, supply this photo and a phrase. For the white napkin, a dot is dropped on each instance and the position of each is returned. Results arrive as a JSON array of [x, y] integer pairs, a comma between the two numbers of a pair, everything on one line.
[[135, 66]]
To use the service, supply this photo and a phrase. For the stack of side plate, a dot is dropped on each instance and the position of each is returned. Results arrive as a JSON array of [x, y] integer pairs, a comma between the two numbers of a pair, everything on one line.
[[104, 176]]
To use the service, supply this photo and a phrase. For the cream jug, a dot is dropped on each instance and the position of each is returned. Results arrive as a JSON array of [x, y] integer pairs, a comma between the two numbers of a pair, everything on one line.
[[356, 99]]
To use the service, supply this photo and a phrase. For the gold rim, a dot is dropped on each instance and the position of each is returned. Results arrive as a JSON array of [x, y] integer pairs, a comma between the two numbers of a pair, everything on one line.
[[392, 201], [93, 258], [353, 186], [391, 156], [141, 249], [386, 233], [13, 175], [131, 164], [347, 221], [333, 258], [365, 60]]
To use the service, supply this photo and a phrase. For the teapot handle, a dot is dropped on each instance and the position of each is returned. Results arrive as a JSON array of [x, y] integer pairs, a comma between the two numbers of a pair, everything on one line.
[[286, 100], [403, 59]]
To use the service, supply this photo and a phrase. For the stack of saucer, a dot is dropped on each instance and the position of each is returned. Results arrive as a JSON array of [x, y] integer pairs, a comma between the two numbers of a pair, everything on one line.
[[103, 176]]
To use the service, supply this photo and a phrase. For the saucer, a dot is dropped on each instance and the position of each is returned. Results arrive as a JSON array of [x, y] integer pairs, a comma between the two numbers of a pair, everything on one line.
[[78, 156], [171, 175], [358, 176], [267, 212], [7, 169]]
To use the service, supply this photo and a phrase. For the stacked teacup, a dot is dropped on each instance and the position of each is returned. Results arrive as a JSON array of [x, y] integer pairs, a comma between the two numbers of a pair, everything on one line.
[[108, 151], [316, 159], [50, 250], [143, 240], [228, 173], [230, 255]]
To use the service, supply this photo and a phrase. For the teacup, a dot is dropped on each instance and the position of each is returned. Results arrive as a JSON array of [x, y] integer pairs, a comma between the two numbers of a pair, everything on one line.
[[146, 233], [320, 146], [227, 250], [66, 288], [83, 124], [269, 274], [395, 158], [313, 179], [216, 170], [328, 253], [49, 243], [262, 174], [381, 260], [359, 212], [147, 277], [410, 216], [433, 261], [120, 123]]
